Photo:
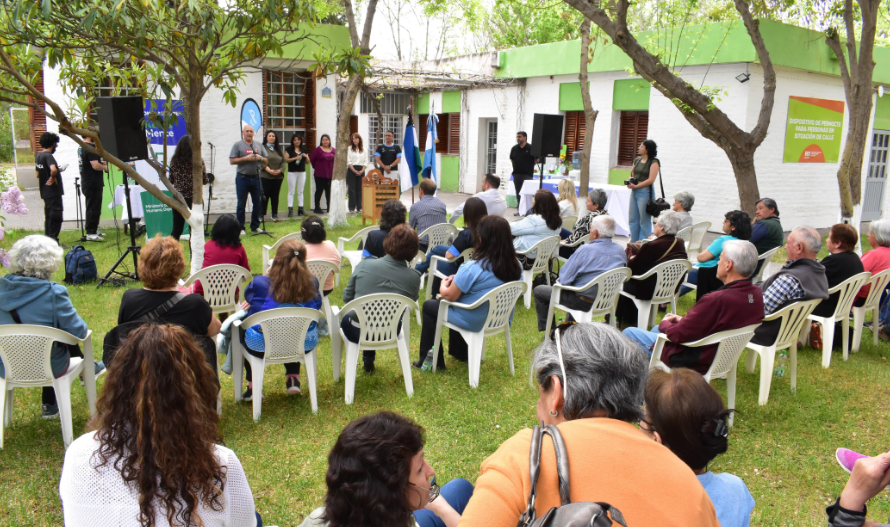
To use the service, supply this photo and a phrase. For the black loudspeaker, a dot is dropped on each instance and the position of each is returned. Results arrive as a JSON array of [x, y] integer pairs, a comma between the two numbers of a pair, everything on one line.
[[120, 127], [546, 137]]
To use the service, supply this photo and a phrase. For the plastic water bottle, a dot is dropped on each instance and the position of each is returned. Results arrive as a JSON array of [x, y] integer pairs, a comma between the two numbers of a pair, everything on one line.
[[428, 361], [781, 364]]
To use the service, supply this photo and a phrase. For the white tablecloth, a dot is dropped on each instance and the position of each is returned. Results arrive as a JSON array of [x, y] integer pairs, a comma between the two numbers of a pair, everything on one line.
[[135, 201], [618, 203]]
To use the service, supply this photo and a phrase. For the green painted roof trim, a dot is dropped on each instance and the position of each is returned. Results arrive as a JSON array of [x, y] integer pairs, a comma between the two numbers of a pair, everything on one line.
[[423, 103], [882, 113], [325, 35], [631, 94], [451, 102], [570, 97], [789, 46]]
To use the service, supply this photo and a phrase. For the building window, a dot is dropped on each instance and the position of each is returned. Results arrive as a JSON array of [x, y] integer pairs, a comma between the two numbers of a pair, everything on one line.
[[391, 123], [574, 136], [447, 131], [285, 103], [634, 128], [390, 103]]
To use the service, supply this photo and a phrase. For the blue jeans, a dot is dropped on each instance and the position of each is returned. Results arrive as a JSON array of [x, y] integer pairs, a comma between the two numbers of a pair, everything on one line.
[[640, 222], [457, 493], [692, 279], [448, 268], [642, 338], [243, 187]]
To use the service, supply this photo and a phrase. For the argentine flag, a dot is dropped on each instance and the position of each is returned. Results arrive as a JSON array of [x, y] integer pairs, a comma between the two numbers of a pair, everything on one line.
[[410, 165], [429, 158]]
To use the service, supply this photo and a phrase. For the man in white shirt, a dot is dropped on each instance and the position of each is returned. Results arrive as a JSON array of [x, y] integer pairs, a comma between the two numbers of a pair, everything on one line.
[[495, 203]]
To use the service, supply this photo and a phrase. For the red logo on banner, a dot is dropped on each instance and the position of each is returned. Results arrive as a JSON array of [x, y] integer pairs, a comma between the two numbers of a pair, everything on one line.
[[812, 154]]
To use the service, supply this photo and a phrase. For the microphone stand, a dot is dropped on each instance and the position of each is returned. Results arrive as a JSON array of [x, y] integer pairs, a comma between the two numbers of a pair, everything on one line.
[[132, 249], [78, 210], [210, 179], [262, 210]]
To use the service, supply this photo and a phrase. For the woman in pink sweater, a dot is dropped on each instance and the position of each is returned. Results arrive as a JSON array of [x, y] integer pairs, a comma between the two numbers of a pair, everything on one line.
[[224, 246]]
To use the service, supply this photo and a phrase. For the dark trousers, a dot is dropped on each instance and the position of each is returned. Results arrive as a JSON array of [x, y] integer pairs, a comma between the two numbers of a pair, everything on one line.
[[542, 295], [178, 221], [92, 193], [354, 189], [518, 181], [351, 329], [243, 187], [271, 192], [457, 346], [290, 368], [52, 217], [49, 393], [322, 186]]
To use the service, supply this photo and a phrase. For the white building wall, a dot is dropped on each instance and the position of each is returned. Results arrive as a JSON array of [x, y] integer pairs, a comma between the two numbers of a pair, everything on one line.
[[66, 152], [497, 104]]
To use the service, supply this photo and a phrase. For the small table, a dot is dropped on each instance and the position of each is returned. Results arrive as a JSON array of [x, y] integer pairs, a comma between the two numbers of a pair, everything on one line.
[[135, 201], [618, 203]]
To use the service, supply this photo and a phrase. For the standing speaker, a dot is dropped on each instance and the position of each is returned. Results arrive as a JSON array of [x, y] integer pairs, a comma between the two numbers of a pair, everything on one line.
[[547, 135], [120, 127]]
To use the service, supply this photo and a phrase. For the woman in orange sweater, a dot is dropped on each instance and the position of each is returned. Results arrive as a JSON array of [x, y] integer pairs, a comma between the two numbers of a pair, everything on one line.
[[610, 460]]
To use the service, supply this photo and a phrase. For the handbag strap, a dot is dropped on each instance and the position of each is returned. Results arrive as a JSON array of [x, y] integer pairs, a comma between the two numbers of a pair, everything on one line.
[[534, 462], [158, 312]]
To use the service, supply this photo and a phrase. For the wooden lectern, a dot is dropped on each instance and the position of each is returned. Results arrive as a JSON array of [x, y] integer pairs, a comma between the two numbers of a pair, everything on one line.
[[376, 190]]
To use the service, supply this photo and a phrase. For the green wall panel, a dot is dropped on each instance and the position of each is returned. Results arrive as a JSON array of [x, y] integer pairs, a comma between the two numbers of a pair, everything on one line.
[[882, 113], [570, 97], [618, 175], [423, 103], [449, 178], [630, 94], [450, 102]]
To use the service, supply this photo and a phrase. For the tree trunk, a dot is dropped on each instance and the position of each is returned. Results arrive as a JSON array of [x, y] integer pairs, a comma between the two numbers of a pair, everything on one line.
[[849, 174], [196, 219], [337, 206], [746, 178], [589, 113]]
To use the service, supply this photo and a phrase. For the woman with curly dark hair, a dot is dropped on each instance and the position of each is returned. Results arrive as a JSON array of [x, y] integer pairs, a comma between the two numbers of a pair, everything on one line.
[[494, 263], [736, 226], [392, 213], [542, 222], [152, 459], [377, 476]]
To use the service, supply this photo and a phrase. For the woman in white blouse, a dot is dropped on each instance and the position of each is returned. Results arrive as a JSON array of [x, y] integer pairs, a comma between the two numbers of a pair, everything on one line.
[[156, 421], [568, 200], [543, 221], [356, 163]]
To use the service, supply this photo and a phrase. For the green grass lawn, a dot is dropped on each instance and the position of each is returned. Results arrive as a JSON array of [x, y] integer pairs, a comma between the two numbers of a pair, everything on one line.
[[784, 451]]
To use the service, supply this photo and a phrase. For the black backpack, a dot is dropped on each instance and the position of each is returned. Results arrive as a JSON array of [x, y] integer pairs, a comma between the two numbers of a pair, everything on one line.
[[568, 514], [80, 266]]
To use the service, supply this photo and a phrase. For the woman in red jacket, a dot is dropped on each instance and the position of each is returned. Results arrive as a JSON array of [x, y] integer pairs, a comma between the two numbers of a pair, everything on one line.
[[322, 160], [224, 246]]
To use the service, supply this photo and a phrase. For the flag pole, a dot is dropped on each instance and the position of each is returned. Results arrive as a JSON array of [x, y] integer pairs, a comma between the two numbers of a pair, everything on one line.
[[411, 118]]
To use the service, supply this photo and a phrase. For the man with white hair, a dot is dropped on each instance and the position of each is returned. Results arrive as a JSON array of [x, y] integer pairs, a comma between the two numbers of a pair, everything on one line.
[[248, 157], [801, 278], [735, 305], [588, 262]]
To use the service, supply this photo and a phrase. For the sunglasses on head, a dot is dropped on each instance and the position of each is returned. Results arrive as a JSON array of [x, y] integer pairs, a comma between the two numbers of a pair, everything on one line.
[[554, 335]]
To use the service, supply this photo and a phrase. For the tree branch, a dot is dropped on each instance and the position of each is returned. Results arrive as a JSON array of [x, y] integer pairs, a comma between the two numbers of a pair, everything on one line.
[[758, 134]]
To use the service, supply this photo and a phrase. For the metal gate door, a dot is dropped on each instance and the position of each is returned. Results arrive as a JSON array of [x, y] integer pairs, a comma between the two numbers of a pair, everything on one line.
[[492, 148], [876, 176]]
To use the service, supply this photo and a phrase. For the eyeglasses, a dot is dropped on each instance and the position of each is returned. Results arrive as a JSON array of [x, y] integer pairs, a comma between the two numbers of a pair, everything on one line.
[[649, 428], [434, 489], [554, 335]]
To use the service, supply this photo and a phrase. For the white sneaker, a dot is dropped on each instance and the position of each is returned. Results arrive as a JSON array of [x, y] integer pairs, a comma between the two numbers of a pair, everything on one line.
[[243, 233], [100, 234], [94, 238]]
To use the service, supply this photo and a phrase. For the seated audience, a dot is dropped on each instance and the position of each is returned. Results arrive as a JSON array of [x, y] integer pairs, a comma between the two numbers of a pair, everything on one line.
[[568, 199], [153, 457], [390, 274], [391, 214], [474, 210], [542, 222], [426, 212], [27, 296], [683, 202], [493, 264], [737, 304], [377, 476], [495, 204], [224, 246], [588, 262], [687, 415], [801, 278], [318, 247], [666, 246], [287, 283], [736, 226], [869, 476], [840, 264], [160, 266], [596, 206], [766, 232], [590, 383], [877, 259]]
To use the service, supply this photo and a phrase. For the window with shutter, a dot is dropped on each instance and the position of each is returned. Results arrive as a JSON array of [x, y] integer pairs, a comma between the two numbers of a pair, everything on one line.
[[454, 133], [285, 103], [421, 129], [634, 128], [574, 135], [442, 129]]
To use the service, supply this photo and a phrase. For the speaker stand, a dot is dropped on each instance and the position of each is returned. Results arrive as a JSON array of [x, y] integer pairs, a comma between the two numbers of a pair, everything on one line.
[[123, 276]]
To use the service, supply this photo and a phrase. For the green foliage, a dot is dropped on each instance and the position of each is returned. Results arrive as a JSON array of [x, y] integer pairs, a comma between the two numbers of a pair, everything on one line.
[[516, 23]]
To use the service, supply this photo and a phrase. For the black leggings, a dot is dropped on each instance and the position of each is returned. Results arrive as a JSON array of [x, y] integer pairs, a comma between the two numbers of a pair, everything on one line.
[[271, 191], [179, 221], [322, 185], [457, 346]]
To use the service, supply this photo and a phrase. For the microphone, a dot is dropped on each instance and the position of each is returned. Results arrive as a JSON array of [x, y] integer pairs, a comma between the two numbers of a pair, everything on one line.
[[211, 144]]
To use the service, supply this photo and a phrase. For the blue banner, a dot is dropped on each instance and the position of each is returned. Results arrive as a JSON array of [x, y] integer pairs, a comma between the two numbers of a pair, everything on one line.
[[174, 133], [251, 115]]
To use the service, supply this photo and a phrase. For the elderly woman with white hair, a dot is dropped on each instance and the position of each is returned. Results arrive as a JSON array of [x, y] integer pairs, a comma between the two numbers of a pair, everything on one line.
[[878, 258], [683, 202], [590, 386], [27, 296], [666, 246]]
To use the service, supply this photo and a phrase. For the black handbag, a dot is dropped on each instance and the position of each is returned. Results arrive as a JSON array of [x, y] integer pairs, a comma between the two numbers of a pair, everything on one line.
[[568, 514], [656, 206]]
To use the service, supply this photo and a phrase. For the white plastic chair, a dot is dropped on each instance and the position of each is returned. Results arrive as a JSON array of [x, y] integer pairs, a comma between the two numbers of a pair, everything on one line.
[[577, 243], [321, 269], [284, 331], [872, 303], [543, 251], [501, 303], [221, 285], [847, 291], [378, 316], [434, 272], [568, 222], [355, 256], [731, 343], [694, 237], [764, 261], [25, 351], [609, 286], [792, 318], [668, 277], [269, 252], [438, 234]]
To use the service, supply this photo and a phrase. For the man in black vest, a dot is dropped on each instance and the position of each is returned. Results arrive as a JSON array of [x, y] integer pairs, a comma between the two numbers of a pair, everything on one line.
[[523, 163], [801, 278]]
